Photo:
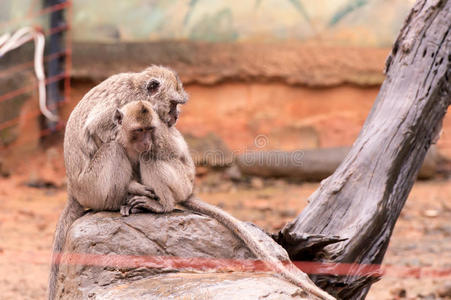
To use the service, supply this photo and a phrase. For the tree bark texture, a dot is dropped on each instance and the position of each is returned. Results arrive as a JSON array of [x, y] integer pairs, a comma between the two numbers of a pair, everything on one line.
[[362, 200]]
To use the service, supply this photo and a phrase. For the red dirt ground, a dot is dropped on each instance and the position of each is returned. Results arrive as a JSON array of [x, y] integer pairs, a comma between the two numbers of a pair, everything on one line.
[[421, 240]]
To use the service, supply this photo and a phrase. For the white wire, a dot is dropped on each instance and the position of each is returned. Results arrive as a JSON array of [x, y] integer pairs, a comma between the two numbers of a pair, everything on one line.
[[4, 38], [10, 42]]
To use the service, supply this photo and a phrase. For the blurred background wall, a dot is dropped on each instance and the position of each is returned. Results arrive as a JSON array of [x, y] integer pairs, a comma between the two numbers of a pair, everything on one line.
[[261, 74], [302, 73], [355, 22]]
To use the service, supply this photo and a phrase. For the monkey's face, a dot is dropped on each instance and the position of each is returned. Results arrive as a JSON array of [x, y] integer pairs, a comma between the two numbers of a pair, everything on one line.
[[136, 122], [167, 103], [141, 138], [166, 93]]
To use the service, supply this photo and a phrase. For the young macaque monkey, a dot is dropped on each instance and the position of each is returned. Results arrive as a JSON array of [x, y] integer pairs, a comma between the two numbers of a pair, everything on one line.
[[162, 169], [136, 123]]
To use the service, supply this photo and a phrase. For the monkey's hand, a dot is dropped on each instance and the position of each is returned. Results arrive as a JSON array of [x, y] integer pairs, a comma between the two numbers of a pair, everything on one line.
[[137, 189], [136, 204]]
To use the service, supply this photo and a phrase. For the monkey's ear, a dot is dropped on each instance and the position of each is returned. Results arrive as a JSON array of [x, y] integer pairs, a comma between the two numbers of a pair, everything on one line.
[[117, 118], [152, 86]]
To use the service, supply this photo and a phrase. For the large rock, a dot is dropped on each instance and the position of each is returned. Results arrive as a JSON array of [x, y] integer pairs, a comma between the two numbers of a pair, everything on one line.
[[203, 286], [148, 256]]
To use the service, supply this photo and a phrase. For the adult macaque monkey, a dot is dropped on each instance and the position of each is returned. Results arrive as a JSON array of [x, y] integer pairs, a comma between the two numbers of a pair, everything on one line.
[[90, 126], [157, 176]]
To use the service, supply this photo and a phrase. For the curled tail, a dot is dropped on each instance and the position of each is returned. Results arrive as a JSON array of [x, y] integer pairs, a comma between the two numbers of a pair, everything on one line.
[[292, 274], [72, 211]]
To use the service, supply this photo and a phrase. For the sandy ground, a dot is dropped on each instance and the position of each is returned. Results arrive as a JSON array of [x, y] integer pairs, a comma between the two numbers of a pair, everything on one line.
[[419, 252]]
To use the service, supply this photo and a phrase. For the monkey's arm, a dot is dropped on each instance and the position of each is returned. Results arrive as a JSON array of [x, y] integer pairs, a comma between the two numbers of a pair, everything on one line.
[[171, 180], [103, 183], [98, 129]]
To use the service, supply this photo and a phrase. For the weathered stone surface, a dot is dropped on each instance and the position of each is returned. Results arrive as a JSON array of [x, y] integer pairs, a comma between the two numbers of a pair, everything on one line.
[[105, 254], [203, 286]]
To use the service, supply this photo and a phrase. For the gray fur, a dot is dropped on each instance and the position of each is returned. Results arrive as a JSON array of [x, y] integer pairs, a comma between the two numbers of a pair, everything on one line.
[[97, 168]]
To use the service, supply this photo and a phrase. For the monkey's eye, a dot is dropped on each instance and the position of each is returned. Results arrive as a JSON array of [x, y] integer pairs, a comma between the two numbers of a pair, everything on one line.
[[150, 128], [139, 129], [152, 86]]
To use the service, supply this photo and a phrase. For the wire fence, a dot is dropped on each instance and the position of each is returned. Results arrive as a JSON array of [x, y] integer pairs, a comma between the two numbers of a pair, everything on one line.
[[60, 81]]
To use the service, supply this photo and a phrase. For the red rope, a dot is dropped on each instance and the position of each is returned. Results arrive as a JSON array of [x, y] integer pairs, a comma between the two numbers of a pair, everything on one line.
[[29, 64], [25, 89], [40, 12], [68, 69], [247, 265], [29, 115], [20, 67], [59, 126]]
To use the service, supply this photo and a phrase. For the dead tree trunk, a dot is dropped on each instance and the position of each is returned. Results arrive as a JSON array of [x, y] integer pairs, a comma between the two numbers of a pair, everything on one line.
[[362, 200]]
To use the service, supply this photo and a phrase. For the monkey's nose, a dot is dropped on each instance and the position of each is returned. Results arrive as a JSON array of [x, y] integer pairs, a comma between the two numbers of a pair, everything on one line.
[[178, 101]]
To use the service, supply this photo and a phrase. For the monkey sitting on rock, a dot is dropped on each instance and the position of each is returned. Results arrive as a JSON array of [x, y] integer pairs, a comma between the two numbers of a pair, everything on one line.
[[93, 161], [159, 158], [136, 159]]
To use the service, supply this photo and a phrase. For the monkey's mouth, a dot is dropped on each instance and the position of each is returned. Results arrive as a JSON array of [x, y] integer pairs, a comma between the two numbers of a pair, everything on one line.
[[143, 148], [173, 115]]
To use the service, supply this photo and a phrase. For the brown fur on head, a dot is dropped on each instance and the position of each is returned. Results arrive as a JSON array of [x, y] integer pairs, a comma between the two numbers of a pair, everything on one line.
[[164, 89], [157, 85], [136, 122]]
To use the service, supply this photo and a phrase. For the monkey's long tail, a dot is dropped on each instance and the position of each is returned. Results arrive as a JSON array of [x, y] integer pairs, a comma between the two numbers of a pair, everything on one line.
[[294, 275], [71, 212]]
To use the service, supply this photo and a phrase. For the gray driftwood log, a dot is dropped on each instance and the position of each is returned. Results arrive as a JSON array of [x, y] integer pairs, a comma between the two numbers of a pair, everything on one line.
[[312, 164], [362, 200]]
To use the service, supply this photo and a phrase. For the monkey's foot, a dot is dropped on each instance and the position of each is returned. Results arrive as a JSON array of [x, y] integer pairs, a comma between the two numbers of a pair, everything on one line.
[[142, 203], [125, 210]]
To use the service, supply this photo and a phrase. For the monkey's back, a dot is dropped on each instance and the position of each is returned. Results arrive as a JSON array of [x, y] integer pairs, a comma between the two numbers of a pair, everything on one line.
[[96, 109]]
